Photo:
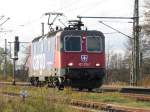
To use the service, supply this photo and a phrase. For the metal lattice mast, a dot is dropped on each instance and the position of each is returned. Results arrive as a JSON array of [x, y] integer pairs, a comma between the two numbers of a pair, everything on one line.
[[136, 29]]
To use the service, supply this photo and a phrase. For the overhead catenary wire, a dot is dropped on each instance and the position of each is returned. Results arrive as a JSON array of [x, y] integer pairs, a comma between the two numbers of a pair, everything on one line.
[[7, 31], [110, 33], [4, 21], [104, 17], [62, 22], [116, 30], [92, 6], [73, 6], [114, 21], [32, 21], [1, 17], [68, 9]]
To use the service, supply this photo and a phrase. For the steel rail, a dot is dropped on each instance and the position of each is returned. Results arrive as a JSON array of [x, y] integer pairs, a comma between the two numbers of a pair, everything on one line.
[[88, 105]]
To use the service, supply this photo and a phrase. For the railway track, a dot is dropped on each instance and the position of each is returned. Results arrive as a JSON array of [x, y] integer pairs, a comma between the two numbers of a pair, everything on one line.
[[140, 94], [105, 106], [87, 106], [17, 83], [138, 97], [82, 109], [105, 88]]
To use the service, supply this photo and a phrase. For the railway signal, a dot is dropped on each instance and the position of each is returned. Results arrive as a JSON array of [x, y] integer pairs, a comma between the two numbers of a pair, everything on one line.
[[16, 47], [16, 50], [15, 56], [17, 43]]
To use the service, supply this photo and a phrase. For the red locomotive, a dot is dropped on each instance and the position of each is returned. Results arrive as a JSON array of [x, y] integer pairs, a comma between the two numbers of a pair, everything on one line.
[[69, 57]]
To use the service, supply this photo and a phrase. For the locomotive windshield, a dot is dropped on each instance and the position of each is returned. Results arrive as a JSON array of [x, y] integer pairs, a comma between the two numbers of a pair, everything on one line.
[[72, 43], [94, 44]]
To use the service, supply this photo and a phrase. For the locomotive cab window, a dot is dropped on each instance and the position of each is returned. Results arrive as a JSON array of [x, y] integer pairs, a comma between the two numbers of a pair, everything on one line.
[[72, 43], [94, 44]]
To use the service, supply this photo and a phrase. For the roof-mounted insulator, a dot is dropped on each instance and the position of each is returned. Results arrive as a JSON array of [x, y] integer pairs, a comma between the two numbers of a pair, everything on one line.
[[74, 25]]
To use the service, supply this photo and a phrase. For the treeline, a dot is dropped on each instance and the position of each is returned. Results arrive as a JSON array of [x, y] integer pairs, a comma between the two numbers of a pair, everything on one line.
[[119, 68], [8, 68]]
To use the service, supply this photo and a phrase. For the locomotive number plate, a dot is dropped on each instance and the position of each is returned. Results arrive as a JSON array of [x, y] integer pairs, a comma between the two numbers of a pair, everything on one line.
[[84, 64]]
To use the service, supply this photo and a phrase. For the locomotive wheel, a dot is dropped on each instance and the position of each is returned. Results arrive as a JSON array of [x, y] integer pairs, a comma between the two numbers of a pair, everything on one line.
[[67, 83], [60, 87], [41, 83], [32, 83], [80, 89], [50, 84], [56, 84], [36, 83]]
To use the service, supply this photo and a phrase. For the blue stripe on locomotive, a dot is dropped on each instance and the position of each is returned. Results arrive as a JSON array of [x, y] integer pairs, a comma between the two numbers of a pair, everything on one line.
[[43, 53]]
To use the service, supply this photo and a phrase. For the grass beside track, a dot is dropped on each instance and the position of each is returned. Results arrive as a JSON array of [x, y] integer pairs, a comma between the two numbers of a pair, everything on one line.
[[38, 103], [32, 105], [40, 96], [108, 97]]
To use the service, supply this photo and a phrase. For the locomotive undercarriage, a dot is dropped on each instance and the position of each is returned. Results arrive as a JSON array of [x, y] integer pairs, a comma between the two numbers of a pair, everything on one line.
[[87, 78]]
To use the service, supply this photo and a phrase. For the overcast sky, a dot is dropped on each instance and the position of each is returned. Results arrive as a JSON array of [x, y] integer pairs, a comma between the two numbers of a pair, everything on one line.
[[26, 17]]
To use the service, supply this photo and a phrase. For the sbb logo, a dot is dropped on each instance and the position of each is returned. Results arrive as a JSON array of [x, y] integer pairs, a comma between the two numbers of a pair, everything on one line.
[[84, 58]]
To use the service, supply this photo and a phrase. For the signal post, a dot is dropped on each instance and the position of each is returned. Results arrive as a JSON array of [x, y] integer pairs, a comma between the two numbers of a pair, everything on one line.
[[15, 58]]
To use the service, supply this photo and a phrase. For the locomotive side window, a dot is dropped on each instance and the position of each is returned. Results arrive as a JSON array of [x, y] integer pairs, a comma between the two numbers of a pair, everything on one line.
[[72, 43], [94, 44]]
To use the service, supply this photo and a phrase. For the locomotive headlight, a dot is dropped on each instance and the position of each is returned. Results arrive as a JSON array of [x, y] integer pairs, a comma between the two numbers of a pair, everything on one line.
[[98, 64], [83, 37], [70, 64]]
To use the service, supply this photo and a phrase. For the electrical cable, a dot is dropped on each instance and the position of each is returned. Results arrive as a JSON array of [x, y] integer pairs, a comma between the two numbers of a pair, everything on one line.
[[110, 33], [4, 21], [115, 30], [1, 17], [32, 21], [95, 4]]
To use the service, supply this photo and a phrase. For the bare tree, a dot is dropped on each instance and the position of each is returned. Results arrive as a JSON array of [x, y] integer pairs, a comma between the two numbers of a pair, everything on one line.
[[146, 26], [117, 70]]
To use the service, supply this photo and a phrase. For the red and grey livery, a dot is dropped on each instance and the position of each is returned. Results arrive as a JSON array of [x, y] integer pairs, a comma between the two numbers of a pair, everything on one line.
[[68, 57]]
